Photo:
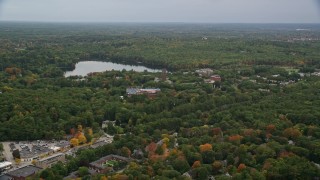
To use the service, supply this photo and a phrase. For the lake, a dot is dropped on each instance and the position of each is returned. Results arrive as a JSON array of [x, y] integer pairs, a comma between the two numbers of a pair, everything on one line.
[[85, 67]]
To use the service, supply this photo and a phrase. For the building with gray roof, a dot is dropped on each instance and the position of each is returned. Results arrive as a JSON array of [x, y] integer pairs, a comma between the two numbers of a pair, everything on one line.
[[23, 172], [49, 161]]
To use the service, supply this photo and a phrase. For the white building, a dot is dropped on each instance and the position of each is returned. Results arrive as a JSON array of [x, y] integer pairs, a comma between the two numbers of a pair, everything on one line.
[[204, 72], [4, 166]]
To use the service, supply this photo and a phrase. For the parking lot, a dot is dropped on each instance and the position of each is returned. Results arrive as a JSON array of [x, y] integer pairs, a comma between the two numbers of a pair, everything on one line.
[[25, 147], [35, 149]]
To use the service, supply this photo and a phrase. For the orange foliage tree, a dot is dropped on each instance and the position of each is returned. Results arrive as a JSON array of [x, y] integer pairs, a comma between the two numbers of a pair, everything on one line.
[[235, 138], [151, 147], [241, 167], [13, 71], [196, 164], [270, 128], [205, 147]]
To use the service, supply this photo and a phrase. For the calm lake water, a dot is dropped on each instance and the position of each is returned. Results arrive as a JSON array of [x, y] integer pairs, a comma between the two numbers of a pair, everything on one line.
[[85, 67]]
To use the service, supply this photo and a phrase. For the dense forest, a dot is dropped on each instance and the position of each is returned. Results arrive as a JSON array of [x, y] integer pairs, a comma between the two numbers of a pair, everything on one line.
[[261, 121], [57, 47]]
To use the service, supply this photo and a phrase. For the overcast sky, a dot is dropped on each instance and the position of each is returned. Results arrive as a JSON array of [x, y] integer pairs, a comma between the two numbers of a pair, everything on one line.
[[215, 11]]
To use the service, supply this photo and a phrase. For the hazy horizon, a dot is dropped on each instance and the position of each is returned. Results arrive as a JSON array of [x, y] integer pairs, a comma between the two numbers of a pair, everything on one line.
[[165, 11]]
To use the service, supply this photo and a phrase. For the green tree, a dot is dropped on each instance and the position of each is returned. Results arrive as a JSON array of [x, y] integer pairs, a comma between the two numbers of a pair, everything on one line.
[[181, 165], [83, 171]]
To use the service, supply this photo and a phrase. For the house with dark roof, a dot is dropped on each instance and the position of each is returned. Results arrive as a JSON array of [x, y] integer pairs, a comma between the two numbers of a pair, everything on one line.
[[109, 163], [23, 172]]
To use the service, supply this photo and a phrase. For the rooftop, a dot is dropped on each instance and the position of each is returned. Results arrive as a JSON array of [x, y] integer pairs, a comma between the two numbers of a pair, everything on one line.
[[36, 150], [5, 177], [24, 171], [134, 91], [63, 144], [74, 175], [5, 164], [98, 144], [102, 160], [50, 157]]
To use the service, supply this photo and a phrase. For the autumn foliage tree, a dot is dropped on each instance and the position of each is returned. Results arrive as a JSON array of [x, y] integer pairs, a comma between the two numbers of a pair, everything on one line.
[[292, 133], [205, 147], [216, 166], [13, 70], [151, 148], [196, 164], [235, 138], [216, 131], [74, 142], [270, 128], [82, 139], [241, 167]]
